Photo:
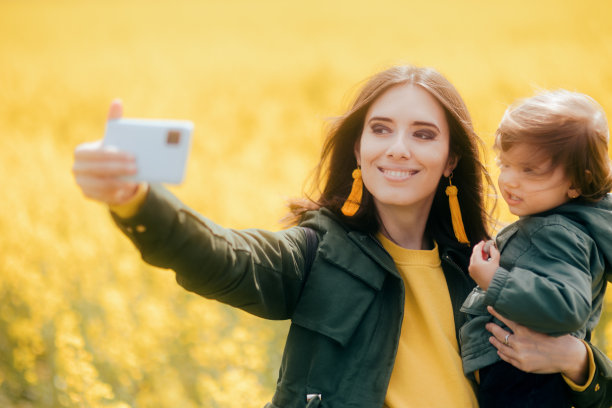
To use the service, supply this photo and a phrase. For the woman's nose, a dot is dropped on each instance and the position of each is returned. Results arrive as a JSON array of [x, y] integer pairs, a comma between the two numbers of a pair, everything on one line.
[[400, 146]]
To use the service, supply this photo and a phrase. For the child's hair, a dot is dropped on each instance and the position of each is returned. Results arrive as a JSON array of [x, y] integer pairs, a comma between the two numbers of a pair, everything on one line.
[[571, 129]]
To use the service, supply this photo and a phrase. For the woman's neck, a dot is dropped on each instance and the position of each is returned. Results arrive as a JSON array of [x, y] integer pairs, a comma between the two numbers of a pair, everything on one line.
[[405, 227]]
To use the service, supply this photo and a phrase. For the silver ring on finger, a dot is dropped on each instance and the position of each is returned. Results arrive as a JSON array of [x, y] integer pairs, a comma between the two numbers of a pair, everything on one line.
[[506, 339]]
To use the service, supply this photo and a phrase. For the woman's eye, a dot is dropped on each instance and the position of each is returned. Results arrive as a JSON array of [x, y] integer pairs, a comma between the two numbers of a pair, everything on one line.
[[379, 129], [424, 134]]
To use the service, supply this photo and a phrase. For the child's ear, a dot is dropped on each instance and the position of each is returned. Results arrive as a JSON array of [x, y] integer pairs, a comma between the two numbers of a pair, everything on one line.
[[573, 193]]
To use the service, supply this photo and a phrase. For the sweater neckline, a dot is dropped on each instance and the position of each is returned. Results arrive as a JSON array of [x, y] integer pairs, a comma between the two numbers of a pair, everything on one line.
[[405, 256]]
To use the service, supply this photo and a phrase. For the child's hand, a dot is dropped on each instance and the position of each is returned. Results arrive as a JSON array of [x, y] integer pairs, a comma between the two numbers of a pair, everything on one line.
[[483, 263]]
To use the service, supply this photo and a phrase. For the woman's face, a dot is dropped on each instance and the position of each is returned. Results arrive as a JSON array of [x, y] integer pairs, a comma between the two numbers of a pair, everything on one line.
[[404, 148]]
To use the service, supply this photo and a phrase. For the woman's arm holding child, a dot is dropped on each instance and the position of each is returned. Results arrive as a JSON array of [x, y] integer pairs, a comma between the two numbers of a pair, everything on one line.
[[587, 370]]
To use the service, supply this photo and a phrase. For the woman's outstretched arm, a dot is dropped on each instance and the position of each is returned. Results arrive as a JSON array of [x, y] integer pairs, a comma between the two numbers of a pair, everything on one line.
[[259, 271]]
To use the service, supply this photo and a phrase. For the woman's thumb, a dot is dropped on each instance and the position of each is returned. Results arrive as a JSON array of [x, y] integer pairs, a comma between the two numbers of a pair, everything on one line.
[[116, 109]]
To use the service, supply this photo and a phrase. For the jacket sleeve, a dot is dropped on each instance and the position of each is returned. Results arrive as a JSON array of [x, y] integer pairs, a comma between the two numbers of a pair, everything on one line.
[[259, 271], [598, 394], [549, 287]]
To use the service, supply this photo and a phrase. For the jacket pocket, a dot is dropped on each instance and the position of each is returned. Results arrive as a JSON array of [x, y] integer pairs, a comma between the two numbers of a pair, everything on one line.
[[333, 301]]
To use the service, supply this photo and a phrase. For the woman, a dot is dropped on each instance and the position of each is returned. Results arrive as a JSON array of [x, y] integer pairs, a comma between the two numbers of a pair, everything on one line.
[[373, 279]]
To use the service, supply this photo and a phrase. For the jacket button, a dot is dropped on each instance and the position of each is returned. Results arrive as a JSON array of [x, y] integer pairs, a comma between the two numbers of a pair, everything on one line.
[[141, 228], [129, 229]]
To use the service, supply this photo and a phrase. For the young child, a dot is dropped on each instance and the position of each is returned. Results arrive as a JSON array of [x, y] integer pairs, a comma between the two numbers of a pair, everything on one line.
[[550, 268]]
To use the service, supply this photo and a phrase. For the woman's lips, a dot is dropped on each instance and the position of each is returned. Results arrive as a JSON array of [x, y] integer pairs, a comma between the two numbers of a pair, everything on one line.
[[398, 174]]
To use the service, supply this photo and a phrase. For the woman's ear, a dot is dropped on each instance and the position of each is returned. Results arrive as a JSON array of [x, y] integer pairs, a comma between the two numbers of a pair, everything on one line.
[[450, 166], [357, 151]]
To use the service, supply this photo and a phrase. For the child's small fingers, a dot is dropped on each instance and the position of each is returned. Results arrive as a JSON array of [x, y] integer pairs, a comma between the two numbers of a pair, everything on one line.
[[476, 252], [494, 252]]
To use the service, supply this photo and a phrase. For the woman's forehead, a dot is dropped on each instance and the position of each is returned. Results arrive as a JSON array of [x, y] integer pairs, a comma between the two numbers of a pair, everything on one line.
[[408, 101]]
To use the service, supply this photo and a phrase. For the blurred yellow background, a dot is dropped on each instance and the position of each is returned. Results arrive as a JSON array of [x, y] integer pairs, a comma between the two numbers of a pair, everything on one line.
[[83, 322]]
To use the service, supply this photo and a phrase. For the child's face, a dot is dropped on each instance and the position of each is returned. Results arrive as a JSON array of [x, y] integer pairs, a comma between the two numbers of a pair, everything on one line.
[[529, 184]]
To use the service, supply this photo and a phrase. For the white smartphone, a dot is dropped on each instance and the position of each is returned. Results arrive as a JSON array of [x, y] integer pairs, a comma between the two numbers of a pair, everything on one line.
[[161, 147]]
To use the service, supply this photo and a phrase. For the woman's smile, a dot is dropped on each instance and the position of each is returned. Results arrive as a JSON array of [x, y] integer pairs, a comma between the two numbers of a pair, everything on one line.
[[397, 174]]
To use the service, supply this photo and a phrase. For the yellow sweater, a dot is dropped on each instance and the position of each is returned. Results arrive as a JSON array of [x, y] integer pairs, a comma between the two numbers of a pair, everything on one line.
[[428, 371]]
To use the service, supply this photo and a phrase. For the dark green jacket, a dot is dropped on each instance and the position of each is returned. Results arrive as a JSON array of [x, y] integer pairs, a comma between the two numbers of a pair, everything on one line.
[[551, 277], [339, 287]]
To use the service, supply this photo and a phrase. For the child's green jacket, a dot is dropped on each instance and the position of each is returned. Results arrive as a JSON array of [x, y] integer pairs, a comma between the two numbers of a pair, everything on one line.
[[552, 277]]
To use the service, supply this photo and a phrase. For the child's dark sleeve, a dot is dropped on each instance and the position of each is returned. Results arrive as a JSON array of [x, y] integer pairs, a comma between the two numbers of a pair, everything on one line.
[[550, 286]]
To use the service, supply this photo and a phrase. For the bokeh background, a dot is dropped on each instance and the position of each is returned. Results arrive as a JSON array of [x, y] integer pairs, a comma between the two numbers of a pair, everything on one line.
[[83, 322]]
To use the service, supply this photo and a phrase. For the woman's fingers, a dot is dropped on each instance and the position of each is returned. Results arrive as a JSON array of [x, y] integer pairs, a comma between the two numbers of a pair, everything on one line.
[[88, 146], [502, 339], [110, 190], [100, 171], [512, 325], [499, 337], [94, 159], [98, 184], [524, 348], [107, 189], [535, 352], [104, 169], [95, 151]]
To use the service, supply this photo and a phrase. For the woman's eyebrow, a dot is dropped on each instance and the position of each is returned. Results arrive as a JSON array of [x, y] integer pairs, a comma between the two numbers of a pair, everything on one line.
[[380, 118], [428, 124], [415, 123]]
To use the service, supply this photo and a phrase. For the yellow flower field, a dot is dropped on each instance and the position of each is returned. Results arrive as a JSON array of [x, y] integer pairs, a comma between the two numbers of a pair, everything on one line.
[[83, 321]]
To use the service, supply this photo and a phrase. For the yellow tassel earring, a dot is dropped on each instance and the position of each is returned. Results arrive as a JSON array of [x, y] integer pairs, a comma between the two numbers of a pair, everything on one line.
[[352, 203], [453, 203]]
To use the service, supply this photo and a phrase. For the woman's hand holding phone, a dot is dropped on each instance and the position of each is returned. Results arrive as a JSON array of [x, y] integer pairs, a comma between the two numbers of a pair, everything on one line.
[[100, 171]]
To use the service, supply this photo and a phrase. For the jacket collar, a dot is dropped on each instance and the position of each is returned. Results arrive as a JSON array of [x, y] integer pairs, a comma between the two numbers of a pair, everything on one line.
[[361, 258]]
